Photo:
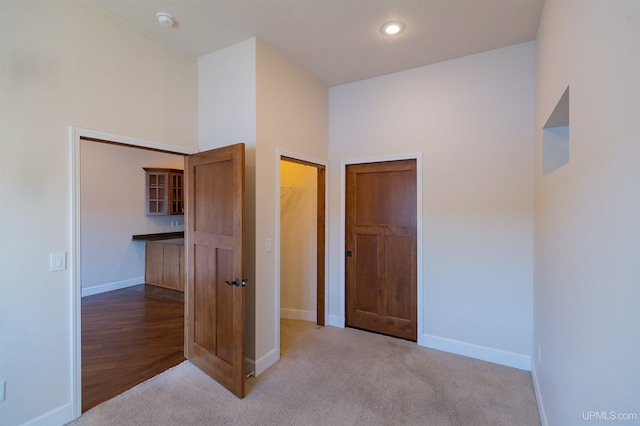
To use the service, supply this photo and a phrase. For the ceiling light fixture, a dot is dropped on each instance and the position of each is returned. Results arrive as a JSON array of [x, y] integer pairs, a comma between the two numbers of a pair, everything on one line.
[[392, 28], [165, 19]]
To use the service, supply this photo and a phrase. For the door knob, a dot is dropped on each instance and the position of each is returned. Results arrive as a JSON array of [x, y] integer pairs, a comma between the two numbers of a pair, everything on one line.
[[237, 282]]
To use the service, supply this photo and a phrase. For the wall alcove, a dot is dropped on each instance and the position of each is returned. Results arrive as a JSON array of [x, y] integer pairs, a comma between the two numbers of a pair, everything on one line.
[[555, 137]]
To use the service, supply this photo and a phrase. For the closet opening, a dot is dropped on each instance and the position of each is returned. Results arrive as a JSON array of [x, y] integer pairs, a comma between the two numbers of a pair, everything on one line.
[[302, 240]]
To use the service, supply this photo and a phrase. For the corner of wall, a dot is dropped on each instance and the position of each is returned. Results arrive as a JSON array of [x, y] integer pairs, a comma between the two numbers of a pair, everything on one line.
[[538, 391], [266, 361]]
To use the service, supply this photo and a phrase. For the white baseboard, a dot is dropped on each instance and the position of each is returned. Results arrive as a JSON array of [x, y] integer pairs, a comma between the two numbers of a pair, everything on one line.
[[298, 314], [266, 361], [335, 321], [536, 388], [58, 416], [90, 291], [497, 356]]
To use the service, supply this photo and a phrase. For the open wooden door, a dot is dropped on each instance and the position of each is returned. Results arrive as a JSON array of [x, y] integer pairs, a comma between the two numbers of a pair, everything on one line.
[[214, 260]]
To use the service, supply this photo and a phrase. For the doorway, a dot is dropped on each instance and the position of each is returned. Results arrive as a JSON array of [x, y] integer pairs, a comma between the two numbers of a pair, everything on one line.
[[302, 229], [214, 178], [143, 323], [381, 247], [80, 136]]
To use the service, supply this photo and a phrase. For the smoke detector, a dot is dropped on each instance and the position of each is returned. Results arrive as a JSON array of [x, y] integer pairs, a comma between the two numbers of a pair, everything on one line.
[[165, 19]]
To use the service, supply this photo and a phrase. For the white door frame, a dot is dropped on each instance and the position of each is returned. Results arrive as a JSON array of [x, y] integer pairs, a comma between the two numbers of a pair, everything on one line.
[[419, 254], [75, 135]]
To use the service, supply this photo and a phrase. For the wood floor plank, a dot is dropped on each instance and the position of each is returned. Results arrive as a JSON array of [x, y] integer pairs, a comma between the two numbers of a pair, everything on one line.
[[128, 336]]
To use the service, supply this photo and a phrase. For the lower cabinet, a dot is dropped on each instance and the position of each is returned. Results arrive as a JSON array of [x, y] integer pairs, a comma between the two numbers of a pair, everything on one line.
[[164, 265]]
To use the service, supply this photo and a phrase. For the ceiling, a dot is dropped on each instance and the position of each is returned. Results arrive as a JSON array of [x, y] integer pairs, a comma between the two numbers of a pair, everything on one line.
[[338, 41]]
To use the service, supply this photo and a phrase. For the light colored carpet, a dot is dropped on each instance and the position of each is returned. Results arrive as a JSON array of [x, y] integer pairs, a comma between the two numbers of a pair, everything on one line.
[[332, 376]]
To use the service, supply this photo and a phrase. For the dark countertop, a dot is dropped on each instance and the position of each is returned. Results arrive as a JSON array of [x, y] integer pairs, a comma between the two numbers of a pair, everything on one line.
[[159, 237], [172, 242]]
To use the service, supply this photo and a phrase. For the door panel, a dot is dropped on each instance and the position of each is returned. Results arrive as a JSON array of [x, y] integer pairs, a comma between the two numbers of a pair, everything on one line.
[[214, 257], [214, 218], [224, 306], [367, 271], [203, 296], [401, 257], [381, 226]]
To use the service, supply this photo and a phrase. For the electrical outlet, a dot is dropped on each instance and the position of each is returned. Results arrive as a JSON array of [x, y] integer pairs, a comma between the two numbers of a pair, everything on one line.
[[267, 247]]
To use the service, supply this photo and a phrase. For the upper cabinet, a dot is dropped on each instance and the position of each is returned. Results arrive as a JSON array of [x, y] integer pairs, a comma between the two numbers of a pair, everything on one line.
[[164, 191]]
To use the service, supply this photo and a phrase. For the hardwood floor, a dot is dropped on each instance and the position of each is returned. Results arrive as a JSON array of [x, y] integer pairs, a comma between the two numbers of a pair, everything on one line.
[[128, 336]]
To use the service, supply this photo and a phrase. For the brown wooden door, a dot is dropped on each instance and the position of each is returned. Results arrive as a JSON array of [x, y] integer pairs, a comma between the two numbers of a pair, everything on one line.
[[214, 256], [381, 248]]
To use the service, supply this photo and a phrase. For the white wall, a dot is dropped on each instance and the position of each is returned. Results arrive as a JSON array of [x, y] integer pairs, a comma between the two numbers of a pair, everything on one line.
[[587, 228], [292, 115], [227, 96], [227, 111], [65, 64], [249, 93], [298, 241], [472, 118], [112, 182]]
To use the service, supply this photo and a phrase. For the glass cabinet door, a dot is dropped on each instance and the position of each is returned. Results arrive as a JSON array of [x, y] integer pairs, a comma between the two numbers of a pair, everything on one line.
[[164, 191], [157, 193]]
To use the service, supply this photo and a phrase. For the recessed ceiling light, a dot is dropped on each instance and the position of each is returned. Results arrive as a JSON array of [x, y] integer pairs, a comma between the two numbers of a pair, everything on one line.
[[392, 28], [165, 19]]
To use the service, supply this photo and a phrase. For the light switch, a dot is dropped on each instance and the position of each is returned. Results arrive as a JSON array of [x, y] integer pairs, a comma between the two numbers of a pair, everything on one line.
[[267, 247], [58, 261]]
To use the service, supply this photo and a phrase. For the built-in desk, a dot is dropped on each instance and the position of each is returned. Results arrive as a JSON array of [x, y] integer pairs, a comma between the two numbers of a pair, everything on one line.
[[164, 259]]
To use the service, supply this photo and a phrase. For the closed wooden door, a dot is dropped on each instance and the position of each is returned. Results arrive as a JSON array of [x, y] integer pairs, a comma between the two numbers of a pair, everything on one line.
[[215, 262], [381, 248]]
